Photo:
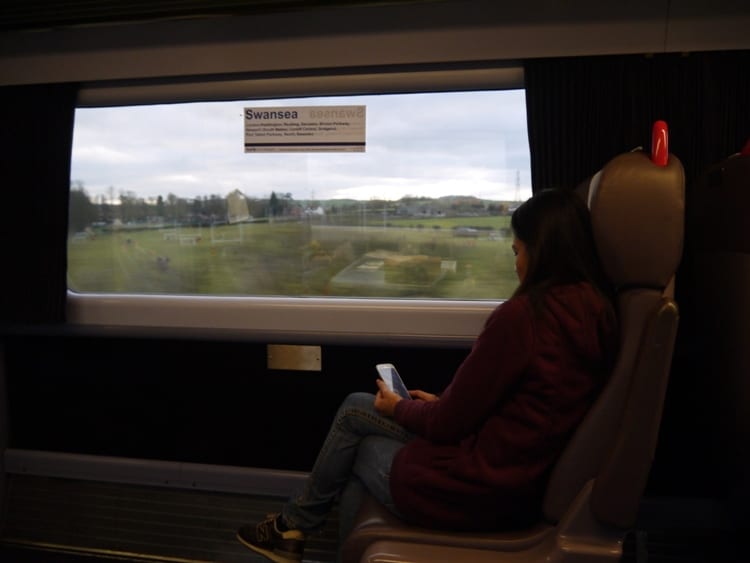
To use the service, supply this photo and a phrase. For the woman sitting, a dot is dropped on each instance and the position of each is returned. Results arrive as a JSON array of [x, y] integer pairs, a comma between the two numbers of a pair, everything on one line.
[[476, 457]]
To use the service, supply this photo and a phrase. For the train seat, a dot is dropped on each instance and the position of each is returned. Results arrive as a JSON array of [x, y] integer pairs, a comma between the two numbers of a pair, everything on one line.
[[637, 203], [719, 256]]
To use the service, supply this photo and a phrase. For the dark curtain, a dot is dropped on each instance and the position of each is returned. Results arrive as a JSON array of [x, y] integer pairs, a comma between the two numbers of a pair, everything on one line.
[[584, 111], [35, 143]]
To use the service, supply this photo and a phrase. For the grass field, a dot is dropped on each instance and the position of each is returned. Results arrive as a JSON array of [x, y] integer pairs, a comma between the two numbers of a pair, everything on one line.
[[301, 259], [482, 222]]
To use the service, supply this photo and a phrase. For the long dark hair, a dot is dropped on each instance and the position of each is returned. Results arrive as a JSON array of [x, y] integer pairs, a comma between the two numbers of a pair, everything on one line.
[[555, 226]]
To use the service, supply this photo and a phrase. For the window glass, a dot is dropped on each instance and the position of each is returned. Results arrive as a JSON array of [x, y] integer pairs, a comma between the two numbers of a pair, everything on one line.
[[166, 200]]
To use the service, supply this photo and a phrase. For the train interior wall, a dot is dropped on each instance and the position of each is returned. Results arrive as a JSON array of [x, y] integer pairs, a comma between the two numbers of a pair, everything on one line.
[[198, 401], [216, 402]]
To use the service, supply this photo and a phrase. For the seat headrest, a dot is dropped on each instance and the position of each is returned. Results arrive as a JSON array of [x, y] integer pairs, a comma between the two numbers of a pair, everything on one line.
[[637, 213]]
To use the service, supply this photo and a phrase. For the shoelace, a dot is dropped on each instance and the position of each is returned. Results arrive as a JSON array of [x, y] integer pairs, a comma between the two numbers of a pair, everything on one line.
[[263, 529]]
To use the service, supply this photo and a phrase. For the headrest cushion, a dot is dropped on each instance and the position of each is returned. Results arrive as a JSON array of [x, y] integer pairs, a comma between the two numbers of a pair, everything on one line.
[[638, 218]]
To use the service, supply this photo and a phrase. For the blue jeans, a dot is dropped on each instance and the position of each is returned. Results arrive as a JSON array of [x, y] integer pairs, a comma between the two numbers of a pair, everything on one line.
[[356, 456]]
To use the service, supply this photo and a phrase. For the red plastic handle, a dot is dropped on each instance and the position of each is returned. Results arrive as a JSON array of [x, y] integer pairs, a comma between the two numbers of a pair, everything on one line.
[[746, 149], [659, 143]]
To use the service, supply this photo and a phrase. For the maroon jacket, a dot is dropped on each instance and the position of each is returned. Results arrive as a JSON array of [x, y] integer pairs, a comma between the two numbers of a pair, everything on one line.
[[484, 450]]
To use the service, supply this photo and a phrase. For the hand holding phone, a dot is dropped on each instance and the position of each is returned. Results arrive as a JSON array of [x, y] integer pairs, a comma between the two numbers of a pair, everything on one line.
[[388, 373]]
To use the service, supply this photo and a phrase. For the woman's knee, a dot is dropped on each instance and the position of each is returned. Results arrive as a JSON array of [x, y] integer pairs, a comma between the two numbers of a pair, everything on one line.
[[356, 413]]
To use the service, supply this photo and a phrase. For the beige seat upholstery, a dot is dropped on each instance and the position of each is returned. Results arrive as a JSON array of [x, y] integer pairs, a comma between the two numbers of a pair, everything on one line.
[[595, 488]]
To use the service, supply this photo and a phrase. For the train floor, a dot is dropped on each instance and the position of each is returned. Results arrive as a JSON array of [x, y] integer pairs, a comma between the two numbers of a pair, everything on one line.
[[68, 521], [51, 519]]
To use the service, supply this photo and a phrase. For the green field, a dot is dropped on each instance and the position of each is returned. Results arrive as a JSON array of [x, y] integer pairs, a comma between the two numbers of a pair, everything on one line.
[[481, 222], [408, 258]]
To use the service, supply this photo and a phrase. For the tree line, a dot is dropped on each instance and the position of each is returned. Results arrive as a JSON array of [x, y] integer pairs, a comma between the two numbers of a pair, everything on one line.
[[130, 209]]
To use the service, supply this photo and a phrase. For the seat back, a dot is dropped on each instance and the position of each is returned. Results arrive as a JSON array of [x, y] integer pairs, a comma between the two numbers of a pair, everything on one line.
[[720, 269], [637, 209]]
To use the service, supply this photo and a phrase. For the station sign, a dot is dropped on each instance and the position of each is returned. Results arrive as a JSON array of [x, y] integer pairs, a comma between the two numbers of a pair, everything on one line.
[[305, 129]]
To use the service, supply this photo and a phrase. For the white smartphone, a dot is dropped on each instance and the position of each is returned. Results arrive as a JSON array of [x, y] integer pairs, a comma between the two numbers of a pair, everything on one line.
[[388, 373]]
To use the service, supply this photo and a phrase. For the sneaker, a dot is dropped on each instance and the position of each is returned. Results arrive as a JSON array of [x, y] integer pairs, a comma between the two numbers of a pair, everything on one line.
[[266, 539]]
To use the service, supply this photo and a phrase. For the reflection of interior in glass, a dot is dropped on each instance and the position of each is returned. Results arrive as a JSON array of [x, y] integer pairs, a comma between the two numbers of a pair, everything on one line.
[[165, 198]]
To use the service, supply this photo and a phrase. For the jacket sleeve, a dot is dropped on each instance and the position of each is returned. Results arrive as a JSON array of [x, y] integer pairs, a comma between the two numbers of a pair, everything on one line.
[[487, 377]]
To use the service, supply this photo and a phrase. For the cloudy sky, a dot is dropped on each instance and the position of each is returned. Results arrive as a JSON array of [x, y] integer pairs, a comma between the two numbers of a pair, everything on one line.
[[419, 144]]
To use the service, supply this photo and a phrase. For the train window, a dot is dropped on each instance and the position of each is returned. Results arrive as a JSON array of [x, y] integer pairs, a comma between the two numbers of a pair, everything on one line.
[[167, 199], [176, 224]]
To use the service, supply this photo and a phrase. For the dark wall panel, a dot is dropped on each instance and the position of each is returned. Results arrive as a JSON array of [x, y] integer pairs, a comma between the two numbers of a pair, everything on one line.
[[190, 400]]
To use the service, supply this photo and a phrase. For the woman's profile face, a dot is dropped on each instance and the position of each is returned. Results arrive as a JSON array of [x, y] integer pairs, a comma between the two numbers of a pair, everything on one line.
[[522, 258]]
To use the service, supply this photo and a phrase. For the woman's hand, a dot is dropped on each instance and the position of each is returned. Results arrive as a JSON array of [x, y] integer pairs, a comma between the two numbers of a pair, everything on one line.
[[385, 400], [423, 395]]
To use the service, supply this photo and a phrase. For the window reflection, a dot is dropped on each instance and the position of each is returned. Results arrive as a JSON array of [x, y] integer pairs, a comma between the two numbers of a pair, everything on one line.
[[165, 200]]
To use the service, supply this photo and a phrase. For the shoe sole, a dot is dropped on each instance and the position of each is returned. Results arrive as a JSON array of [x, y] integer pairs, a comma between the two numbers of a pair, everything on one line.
[[272, 555]]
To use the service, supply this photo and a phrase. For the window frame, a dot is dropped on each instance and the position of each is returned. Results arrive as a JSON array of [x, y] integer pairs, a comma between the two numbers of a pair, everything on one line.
[[293, 319]]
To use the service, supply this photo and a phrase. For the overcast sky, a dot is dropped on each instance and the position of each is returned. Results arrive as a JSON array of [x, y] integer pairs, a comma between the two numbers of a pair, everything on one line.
[[418, 144]]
